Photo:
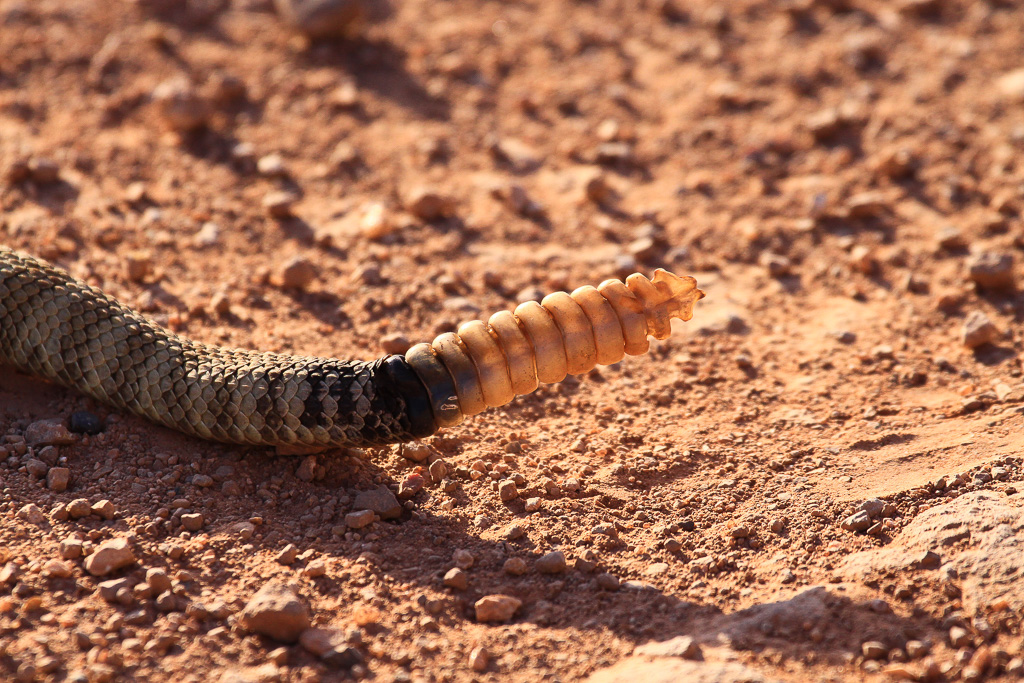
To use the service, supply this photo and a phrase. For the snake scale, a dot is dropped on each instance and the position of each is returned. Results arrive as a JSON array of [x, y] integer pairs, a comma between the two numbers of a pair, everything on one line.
[[55, 327]]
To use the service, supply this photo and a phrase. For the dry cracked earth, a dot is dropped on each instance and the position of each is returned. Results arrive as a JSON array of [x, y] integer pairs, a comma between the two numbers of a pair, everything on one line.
[[818, 478]]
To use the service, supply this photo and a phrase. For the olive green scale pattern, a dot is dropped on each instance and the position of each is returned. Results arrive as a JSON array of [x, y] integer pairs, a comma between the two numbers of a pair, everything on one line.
[[58, 328]]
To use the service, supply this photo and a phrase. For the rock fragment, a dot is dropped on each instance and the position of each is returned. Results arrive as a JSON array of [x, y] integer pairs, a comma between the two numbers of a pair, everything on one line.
[[57, 479], [977, 330], [50, 432], [288, 555], [297, 273], [359, 519], [318, 19], [109, 557], [279, 203], [180, 106], [380, 500], [478, 659], [858, 521], [456, 578], [496, 608], [429, 205], [103, 509], [192, 521], [551, 563], [1011, 85], [681, 646], [507, 490], [275, 611], [993, 271]]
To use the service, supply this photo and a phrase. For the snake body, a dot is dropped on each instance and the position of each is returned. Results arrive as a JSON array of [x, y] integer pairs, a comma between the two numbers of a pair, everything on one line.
[[56, 327]]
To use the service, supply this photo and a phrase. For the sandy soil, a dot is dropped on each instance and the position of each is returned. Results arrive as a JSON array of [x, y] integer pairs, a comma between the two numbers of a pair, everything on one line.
[[842, 177]]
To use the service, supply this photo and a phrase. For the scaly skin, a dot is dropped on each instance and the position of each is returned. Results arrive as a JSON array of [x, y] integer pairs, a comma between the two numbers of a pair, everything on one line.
[[53, 326], [58, 328]]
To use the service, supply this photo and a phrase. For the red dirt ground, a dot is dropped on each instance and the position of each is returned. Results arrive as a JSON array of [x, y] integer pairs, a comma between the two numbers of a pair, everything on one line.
[[828, 170]]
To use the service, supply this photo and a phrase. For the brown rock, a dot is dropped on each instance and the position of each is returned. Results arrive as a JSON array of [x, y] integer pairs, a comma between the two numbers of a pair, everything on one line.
[[1011, 84], [977, 330], [395, 343], [192, 521], [279, 203], [380, 500], [275, 611], [57, 479], [103, 509], [320, 641], [50, 432], [297, 273], [109, 556], [429, 205], [993, 271], [79, 508], [478, 659], [552, 563], [681, 646], [138, 265], [180, 106], [456, 578], [496, 608], [507, 490], [328, 18]]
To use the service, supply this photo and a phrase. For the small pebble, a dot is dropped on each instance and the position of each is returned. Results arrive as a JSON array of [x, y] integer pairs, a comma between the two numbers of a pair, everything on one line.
[[478, 659], [271, 165], [279, 203], [275, 611], [57, 569], [873, 649], [463, 559], [315, 569], [380, 500], [978, 330], [48, 433], [138, 265], [551, 563], [396, 343], [192, 521], [318, 19], [109, 556], [607, 582], [429, 205], [359, 519], [43, 170], [158, 580], [103, 509], [992, 271], [515, 566], [859, 521], [297, 273], [496, 608], [71, 548], [456, 578], [507, 490], [180, 106], [287, 555], [959, 637], [79, 508]]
